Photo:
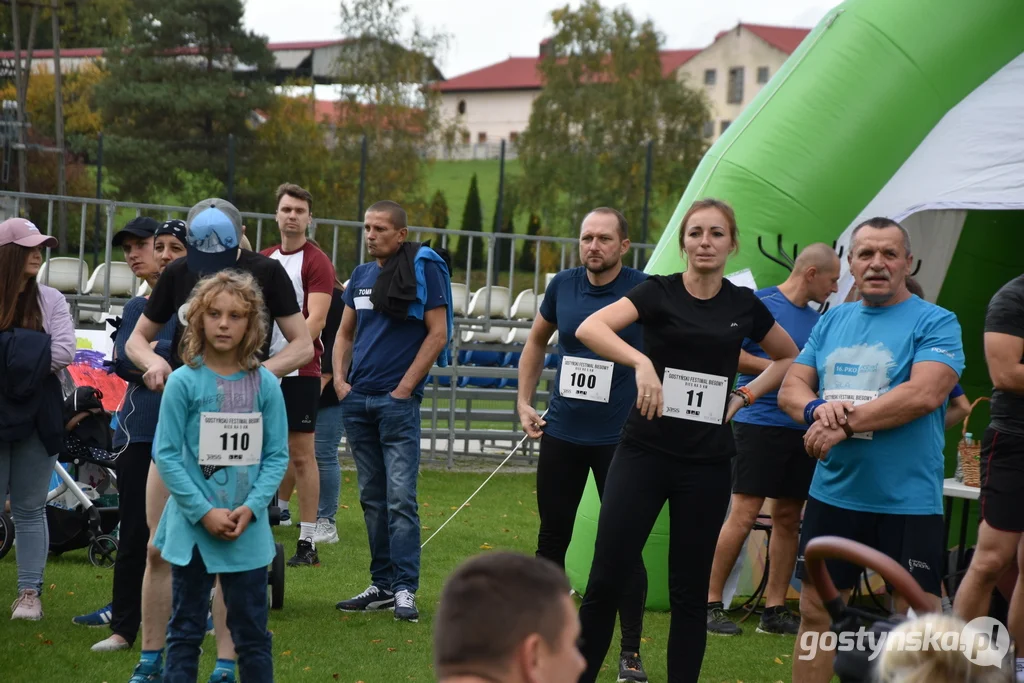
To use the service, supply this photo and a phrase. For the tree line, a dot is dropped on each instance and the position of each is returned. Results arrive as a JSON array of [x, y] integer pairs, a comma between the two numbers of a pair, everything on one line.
[[184, 92]]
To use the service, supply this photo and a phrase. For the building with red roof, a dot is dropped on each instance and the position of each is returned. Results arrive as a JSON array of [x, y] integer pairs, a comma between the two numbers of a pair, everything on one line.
[[494, 102]]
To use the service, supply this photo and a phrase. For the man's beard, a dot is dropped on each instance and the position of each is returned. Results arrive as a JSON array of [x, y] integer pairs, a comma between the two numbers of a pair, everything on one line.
[[597, 270]]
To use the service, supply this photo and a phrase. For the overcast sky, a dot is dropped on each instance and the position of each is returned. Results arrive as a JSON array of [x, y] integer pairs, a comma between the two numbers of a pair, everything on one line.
[[487, 31]]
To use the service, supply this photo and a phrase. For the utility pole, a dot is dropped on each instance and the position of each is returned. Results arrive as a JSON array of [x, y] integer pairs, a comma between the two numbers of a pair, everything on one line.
[[21, 76], [62, 209]]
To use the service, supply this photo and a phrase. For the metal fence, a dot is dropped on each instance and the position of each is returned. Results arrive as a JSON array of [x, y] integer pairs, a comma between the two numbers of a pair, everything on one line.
[[468, 409]]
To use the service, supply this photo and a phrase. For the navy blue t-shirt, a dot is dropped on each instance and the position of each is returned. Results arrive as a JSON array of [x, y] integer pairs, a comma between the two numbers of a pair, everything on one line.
[[384, 347], [568, 300], [798, 322]]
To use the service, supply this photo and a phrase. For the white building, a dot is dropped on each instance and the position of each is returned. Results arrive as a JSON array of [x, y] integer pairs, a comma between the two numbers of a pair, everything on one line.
[[493, 103]]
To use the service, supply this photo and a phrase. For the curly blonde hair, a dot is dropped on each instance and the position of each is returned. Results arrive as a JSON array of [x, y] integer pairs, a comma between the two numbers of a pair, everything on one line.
[[243, 286], [920, 665]]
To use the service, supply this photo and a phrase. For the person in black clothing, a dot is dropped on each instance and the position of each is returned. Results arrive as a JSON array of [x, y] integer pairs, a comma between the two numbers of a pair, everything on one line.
[[1002, 463], [677, 443]]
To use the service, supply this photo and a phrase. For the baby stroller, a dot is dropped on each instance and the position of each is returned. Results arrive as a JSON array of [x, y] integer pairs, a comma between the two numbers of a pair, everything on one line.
[[87, 440], [857, 665]]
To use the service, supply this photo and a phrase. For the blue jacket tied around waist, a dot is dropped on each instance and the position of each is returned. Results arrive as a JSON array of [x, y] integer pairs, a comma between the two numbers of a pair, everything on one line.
[[416, 307]]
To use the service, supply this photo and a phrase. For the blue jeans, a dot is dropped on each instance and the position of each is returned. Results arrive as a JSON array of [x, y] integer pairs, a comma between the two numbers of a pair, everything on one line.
[[245, 596], [25, 469], [384, 435], [329, 430]]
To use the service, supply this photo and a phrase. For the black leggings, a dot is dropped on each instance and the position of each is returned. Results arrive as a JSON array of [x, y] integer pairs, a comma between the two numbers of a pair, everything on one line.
[[133, 538], [639, 483], [561, 477]]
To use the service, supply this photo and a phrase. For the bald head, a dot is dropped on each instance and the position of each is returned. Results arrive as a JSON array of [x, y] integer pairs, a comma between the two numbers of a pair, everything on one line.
[[816, 272], [819, 255]]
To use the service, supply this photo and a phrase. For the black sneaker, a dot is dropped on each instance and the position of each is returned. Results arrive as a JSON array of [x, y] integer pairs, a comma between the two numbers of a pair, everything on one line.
[[305, 555], [405, 607], [779, 621], [371, 599], [631, 669], [719, 623]]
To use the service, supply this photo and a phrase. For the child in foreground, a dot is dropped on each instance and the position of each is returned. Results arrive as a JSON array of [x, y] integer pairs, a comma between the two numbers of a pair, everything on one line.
[[221, 449]]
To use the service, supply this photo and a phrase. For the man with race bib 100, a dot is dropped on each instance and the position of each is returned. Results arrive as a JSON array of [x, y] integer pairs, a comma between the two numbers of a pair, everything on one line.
[[588, 406], [884, 368]]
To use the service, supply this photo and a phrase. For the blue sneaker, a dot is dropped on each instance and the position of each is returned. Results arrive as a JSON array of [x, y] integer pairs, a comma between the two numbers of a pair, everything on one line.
[[286, 517], [219, 675], [143, 674], [100, 617]]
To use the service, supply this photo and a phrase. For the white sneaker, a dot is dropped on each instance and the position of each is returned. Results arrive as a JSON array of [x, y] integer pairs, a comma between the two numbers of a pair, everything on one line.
[[27, 606], [326, 532], [111, 644]]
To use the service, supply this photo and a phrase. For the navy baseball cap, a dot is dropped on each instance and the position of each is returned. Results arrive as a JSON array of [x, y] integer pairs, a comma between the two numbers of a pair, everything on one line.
[[214, 233], [142, 226], [175, 227]]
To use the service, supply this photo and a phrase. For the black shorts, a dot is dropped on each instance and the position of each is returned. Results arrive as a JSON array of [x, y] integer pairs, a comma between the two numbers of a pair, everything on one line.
[[301, 399], [915, 541], [1002, 480], [771, 462]]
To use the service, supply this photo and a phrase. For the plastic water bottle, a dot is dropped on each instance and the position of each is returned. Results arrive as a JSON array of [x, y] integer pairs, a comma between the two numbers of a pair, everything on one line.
[[968, 439]]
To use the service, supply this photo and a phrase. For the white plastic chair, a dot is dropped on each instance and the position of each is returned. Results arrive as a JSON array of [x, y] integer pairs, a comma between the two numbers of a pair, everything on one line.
[[526, 305], [122, 280], [496, 335], [460, 295], [144, 289], [63, 274], [500, 297]]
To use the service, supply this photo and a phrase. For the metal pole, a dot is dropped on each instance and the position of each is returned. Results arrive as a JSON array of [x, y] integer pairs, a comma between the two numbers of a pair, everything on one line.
[[231, 167], [363, 153], [62, 218], [647, 192], [99, 195], [499, 224]]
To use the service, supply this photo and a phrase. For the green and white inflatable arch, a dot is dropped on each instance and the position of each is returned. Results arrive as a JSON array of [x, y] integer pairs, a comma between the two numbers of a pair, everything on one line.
[[911, 110]]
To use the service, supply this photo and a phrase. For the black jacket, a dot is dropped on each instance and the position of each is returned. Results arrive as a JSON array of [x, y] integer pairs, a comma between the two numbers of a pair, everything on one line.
[[395, 287], [30, 394]]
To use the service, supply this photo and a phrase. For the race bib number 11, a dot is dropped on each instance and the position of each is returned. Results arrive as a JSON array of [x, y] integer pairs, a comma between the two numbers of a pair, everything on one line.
[[694, 396], [230, 439]]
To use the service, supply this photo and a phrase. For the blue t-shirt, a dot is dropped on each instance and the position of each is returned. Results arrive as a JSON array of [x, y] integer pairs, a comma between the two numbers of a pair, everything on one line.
[[568, 300], [384, 347], [863, 349], [798, 322]]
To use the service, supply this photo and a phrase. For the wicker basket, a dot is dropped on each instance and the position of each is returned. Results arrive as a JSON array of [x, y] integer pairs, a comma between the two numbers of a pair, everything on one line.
[[970, 456]]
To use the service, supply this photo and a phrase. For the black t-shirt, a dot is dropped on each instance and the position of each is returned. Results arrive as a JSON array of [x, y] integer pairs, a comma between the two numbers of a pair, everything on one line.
[[699, 336], [176, 282], [329, 397], [1006, 316]]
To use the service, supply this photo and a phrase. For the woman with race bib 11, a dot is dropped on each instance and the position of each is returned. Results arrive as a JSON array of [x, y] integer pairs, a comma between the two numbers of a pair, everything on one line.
[[677, 444]]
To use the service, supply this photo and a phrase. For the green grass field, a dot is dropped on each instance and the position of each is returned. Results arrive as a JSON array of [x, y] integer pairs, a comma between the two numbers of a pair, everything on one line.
[[315, 642]]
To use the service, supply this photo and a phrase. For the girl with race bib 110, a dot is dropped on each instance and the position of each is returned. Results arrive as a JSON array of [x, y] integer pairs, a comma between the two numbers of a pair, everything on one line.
[[677, 443], [221, 449]]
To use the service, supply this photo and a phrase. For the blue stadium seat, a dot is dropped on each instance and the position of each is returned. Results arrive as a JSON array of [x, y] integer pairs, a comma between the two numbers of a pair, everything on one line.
[[484, 358], [511, 360], [509, 383], [551, 361], [480, 382]]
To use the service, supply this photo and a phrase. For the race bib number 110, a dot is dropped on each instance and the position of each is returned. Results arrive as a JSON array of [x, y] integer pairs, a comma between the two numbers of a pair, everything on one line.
[[230, 439]]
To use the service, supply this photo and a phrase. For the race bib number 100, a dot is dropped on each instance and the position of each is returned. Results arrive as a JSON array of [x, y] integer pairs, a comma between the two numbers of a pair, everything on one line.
[[694, 395], [856, 397], [230, 439], [586, 379]]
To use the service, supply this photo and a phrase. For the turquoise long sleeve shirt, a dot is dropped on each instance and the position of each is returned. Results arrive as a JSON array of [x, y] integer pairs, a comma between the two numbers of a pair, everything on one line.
[[196, 489]]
